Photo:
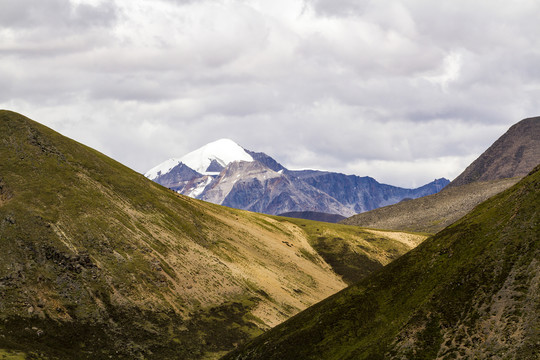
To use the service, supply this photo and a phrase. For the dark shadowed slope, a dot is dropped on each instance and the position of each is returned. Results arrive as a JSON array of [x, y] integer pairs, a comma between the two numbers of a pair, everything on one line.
[[511, 157], [313, 215], [472, 291]]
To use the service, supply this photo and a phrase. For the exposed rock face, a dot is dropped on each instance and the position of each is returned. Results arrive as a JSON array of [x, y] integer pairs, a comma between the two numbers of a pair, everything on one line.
[[362, 194], [513, 155], [264, 185], [179, 176], [278, 194], [266, 160]]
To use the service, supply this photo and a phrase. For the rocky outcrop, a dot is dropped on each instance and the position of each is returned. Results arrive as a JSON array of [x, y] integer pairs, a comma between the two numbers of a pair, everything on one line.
[[364, 193], [280, 194], [178, 177]]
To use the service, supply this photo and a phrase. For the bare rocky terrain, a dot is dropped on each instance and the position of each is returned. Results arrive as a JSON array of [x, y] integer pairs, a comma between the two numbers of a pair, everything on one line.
[[514, 154]]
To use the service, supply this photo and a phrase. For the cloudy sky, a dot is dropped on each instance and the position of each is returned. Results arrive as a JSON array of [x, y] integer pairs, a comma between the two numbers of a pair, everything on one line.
[[404, 91]]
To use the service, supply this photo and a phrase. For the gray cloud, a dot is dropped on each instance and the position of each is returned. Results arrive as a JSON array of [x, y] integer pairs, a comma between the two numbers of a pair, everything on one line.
[[404, 91], [26, 15]]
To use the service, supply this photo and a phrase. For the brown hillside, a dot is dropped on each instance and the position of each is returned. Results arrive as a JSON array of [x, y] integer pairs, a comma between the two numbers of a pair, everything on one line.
[[514, 154], [510, 158]]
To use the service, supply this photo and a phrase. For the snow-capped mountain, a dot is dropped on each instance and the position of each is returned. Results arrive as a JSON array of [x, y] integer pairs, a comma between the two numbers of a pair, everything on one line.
[[213, 157], [224, 173], [209, 159]]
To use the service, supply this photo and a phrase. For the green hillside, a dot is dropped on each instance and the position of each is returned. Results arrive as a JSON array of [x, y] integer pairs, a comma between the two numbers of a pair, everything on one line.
[[470, 292], [355, 252], [96, 261]]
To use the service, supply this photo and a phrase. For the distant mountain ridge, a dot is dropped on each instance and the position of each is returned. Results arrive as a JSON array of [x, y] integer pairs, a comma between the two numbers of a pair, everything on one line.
[[312, 215], [226, 174]]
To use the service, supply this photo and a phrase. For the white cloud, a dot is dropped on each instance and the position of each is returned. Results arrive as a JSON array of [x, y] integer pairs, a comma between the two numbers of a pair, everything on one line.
[[402, 90]]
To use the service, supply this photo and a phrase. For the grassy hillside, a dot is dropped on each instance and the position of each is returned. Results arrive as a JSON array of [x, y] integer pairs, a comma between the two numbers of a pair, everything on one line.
[[355, 252], [96, 261], [470, 292], [432, 213]]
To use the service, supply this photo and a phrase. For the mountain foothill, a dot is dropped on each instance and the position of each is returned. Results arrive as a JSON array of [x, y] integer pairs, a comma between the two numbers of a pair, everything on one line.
[[191, 261]]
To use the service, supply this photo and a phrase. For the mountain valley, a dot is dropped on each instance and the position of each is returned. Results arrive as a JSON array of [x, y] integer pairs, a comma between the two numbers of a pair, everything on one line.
[[100, 262], [469, 292]]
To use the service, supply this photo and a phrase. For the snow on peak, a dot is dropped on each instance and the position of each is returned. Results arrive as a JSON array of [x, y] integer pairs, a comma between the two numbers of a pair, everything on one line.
[[162, 168], [223, 151]]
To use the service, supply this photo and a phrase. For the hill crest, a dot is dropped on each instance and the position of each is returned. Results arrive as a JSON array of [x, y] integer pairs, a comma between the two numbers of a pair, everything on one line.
[[514, 154]]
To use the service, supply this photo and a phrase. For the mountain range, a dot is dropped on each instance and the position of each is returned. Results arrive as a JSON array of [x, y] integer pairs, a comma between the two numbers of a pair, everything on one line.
[[506, 161], [98, 262], [224, 173]]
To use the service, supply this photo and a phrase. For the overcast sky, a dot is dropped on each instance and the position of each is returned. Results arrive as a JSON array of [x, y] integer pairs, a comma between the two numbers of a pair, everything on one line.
[[403, 91]]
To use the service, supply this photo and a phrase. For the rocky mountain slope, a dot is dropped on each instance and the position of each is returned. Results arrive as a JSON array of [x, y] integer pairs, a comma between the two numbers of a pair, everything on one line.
[[470, 292], [98, 262], [254, 181], [432, 213], [512, 156], [361, 194]]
